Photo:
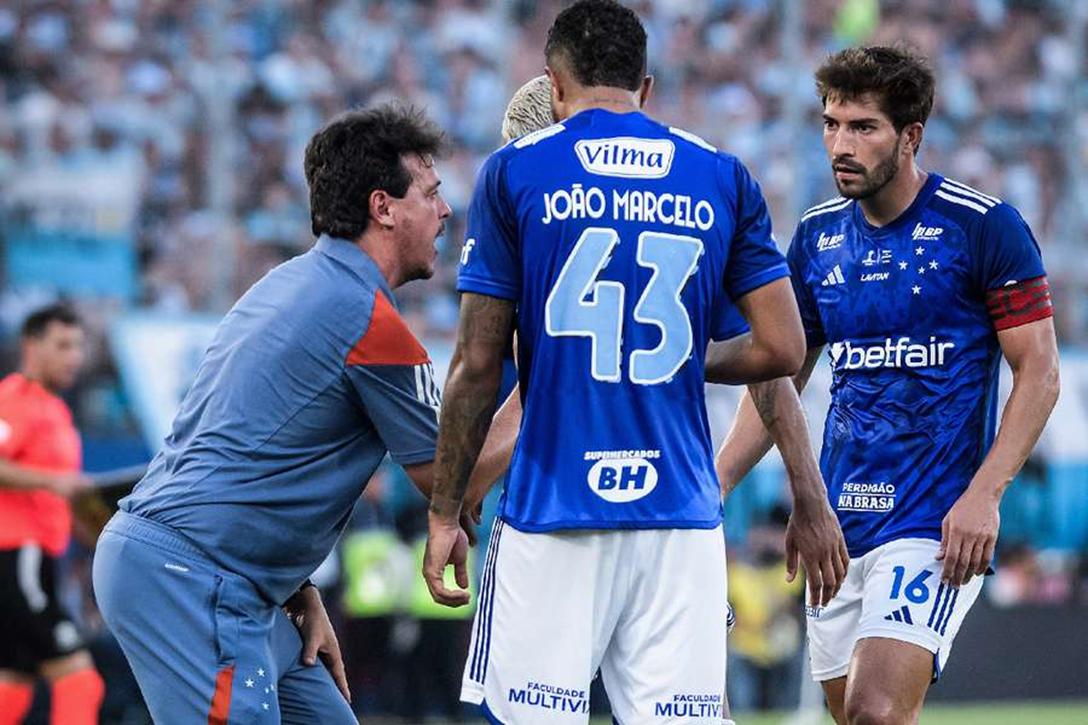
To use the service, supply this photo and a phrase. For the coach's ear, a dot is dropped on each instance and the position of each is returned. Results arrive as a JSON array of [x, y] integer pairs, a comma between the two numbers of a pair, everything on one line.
[[644, 91], [381, 208]]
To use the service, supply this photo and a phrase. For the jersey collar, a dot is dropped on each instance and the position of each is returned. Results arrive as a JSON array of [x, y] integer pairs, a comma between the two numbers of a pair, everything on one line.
[[355, 259], [924, 194]]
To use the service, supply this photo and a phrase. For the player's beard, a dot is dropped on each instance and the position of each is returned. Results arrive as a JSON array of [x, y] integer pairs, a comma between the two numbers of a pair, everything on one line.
[[875, 180]]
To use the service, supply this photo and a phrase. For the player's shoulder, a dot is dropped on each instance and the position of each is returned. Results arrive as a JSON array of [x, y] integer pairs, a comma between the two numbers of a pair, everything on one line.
[[828, 212], [966, 206]]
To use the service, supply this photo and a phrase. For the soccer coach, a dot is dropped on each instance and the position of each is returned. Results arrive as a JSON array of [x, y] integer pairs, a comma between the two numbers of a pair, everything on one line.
[[309, 381]]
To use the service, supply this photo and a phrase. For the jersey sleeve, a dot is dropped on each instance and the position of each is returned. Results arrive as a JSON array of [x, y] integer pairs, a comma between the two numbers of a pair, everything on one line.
[[393, 377], [806, 301], [754, 259], [1009, 270], [490, 260], [728, 322], [1005, 252]]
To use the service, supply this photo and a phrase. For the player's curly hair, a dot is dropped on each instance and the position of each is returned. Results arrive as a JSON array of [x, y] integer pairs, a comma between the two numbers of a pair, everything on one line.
[[357, 153], [900, 81], [601, 42]]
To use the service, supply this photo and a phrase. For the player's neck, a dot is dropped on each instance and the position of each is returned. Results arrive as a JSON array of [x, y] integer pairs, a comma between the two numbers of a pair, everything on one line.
[[617, 100], [886, 205]]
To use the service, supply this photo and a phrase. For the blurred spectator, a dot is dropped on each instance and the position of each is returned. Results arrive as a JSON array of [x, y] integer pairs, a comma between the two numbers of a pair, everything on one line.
[[765, 646]]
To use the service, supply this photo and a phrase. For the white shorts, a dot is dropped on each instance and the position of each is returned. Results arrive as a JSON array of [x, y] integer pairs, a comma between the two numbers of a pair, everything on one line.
[[646, 607], [894, 591]]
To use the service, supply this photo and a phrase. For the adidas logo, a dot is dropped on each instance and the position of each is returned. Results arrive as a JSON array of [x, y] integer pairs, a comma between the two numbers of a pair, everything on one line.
[[900, 615], [834, 277]]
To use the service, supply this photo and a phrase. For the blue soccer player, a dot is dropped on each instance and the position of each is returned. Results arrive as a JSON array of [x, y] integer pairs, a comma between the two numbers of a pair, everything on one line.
[[612, 244], [917, 285], [309, 381]]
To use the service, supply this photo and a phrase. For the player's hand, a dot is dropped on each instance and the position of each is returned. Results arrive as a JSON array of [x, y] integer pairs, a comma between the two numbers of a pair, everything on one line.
[[308, 613], [814, 538], [470, 519], [68, 484], [447, 544], [968, 536]]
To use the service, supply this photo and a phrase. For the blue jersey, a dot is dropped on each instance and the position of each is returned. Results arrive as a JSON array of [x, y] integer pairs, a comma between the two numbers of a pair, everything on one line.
[[623, 243], [913, 348], [310, 379]]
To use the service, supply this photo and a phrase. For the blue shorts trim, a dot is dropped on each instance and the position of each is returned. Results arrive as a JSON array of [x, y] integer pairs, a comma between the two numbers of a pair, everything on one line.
[[488, 715]]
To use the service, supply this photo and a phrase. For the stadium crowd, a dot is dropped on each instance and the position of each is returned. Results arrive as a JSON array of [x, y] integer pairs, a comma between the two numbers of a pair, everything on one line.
[[210, 103]]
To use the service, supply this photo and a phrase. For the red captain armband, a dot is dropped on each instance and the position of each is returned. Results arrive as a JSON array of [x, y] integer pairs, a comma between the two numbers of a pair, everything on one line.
[[1019, 303]]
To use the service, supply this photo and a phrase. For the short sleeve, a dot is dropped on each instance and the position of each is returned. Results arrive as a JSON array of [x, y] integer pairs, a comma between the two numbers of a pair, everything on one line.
[[806, 301], [1005, 250], [754, 259], [490, 260], [728, 321], [402, 403]]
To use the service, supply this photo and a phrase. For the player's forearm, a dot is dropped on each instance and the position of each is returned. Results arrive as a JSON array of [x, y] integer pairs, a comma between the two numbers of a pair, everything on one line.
[[21, 477], [472, 388], [498, 449], [746, 359], [770, 413], [1035, 390]]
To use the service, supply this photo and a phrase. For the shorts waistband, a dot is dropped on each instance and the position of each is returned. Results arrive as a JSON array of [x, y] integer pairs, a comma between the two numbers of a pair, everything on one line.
[[154, 533]]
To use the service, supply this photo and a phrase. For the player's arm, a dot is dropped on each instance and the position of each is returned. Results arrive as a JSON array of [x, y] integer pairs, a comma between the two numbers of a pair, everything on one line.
[[768, 412], [14, 476], [497, 450], [469, 400], [969, 531], [774, 348], [771, 412]]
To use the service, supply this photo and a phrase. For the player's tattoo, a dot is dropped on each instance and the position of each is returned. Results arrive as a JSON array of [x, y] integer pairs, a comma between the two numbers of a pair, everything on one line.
[[471, 395], [764, 397]]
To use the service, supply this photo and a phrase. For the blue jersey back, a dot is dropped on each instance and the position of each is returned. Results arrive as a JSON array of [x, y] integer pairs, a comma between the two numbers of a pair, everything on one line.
[[623, 243], [913, 350]]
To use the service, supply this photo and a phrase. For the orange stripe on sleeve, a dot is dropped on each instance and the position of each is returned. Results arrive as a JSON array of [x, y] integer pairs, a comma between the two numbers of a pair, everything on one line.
[[220, 709], [387, 341]]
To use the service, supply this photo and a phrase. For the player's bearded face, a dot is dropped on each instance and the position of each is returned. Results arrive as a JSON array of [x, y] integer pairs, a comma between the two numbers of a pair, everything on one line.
[[859, 182], [863, 145]]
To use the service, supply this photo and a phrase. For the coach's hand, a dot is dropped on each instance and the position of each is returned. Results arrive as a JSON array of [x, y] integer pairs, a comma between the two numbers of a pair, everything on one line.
[[968, 536], [814, 538], [447, 544], [308, 613], [68, 484]]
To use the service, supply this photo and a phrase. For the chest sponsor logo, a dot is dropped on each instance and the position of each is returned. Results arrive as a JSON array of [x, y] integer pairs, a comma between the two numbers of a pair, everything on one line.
[[5, 431], [622, 478], [899, 353], [923, 233], [867, 497], [629, 158], [826, 243]]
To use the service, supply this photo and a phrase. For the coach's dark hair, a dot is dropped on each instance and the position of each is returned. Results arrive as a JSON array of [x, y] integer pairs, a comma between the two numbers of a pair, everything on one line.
[[38, 321], [900, 81], [601, 42], [360, 152]]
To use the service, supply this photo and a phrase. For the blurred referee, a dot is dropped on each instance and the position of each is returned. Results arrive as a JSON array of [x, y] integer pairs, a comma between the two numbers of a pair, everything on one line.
[[40, 460]]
